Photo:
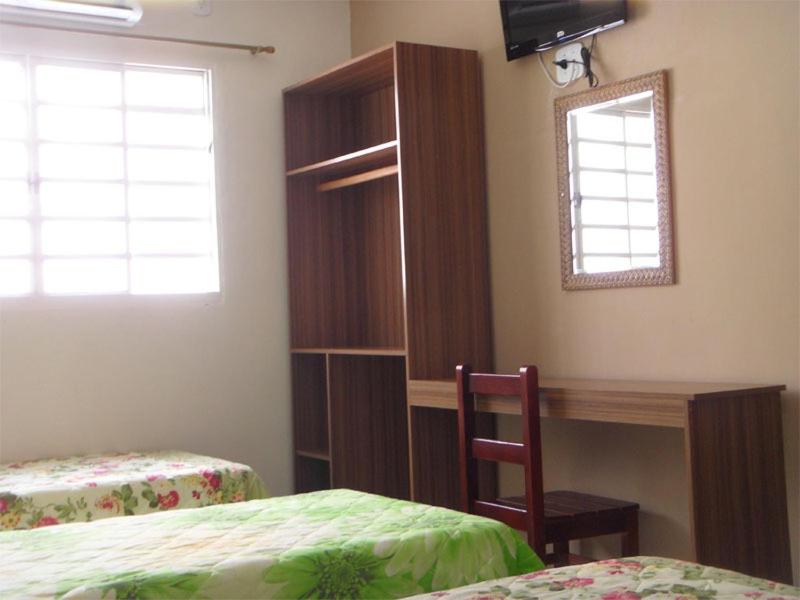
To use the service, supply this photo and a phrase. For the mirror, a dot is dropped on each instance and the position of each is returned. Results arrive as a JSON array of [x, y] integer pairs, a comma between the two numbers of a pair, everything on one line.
[[614, 185]]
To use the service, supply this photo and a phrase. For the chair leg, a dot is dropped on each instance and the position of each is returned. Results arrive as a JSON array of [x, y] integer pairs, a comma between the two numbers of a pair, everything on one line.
[[561, 553], [630, 539]]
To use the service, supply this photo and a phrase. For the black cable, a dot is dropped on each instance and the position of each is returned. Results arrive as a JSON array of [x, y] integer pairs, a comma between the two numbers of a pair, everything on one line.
[[586, 55]]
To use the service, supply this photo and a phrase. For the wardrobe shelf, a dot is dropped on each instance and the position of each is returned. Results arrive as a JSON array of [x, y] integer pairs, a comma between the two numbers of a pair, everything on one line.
[[313, 454], [363, 351], [358, 178], [367, 159]]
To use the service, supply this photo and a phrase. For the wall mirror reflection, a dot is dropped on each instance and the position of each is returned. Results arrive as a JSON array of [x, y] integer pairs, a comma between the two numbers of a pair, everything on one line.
[[614, 185]]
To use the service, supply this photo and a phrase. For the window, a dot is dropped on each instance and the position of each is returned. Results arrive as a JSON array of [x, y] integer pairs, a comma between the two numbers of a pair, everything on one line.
[[106, 179], [613, 186]]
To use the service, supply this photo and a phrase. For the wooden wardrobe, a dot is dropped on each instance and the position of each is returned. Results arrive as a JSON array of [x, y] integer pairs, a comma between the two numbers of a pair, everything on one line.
[[388, 268]]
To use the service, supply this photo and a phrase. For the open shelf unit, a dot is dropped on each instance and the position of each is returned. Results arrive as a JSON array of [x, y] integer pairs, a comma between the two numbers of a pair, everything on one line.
[[388, 270]]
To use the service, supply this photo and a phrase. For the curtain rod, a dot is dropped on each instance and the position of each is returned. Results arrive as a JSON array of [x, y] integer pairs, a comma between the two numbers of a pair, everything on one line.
[[151, 38]]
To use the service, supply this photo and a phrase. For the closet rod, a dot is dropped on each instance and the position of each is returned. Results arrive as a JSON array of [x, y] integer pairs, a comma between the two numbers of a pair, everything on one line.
[[151, 38]]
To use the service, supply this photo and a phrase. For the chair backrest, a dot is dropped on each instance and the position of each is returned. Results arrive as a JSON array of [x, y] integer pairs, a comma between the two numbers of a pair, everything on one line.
[[528, 453]]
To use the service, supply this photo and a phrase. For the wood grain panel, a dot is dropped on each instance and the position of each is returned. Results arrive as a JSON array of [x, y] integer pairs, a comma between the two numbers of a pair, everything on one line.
[[736, 466], [378, 224], [316, 129], [435, 456], [436, 459], [645, 403], [444, 209], [373, 117], [310, 403], [677, 390], [369, 430], [345, 277]]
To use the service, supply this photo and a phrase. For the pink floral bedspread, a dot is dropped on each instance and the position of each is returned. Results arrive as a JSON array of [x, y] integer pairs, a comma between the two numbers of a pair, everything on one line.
[[632, 578], [86, 488]]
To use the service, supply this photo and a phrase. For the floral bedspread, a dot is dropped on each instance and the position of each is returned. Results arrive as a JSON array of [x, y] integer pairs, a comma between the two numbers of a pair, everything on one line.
[[330, 544], [86, 488], [626, 579]]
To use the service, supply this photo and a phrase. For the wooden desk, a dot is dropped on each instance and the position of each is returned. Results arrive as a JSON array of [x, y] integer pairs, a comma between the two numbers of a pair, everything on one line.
[[733, 449]]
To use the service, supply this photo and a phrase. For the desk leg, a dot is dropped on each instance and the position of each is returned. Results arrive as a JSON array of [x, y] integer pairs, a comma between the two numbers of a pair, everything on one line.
[[738, 486]]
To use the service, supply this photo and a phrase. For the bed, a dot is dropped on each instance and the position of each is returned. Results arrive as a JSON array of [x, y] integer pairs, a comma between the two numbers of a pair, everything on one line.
[[87, 488], [625, 579], [329, 544]]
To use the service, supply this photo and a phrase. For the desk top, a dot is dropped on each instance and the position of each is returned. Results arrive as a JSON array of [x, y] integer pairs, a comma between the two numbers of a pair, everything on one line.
[[616, 401]]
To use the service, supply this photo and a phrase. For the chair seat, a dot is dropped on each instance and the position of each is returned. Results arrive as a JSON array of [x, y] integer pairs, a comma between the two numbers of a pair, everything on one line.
[[570, 505], [573, 515]]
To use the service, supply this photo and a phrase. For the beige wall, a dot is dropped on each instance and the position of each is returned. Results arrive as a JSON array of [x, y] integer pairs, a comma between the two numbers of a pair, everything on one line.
[[733, 316], [208, 375]]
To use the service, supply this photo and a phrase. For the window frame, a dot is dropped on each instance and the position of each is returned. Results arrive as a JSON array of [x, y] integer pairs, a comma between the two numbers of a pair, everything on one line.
[[36, 218]]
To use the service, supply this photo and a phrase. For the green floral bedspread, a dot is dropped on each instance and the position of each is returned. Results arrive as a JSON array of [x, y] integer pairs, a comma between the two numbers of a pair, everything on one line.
[[626, 579], [86, 488], [331, 544]]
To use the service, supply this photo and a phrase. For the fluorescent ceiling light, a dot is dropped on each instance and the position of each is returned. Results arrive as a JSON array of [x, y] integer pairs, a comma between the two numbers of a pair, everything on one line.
[[103, 12]]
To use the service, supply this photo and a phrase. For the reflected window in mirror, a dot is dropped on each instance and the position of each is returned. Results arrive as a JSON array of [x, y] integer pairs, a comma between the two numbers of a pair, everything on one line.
[[614, 185]]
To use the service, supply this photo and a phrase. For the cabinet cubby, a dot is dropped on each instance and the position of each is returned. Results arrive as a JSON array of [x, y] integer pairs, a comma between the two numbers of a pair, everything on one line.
[[310, 406], [311, 474], [346, 287], [369, 421]]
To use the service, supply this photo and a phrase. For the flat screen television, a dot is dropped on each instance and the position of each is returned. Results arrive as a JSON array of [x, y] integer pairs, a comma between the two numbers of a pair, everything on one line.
[[535, 25]]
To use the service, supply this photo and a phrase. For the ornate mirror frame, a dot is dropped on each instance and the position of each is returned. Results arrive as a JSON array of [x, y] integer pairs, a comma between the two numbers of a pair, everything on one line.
[[664, 274]]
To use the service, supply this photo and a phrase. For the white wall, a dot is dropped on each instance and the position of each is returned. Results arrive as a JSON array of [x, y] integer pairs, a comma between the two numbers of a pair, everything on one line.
[[208, 375]]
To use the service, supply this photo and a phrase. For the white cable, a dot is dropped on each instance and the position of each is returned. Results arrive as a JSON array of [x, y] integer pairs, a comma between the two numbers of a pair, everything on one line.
[[549, 76]]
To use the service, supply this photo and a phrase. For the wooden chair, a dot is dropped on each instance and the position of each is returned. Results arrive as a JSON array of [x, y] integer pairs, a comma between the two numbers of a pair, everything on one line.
[[552, 517]]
